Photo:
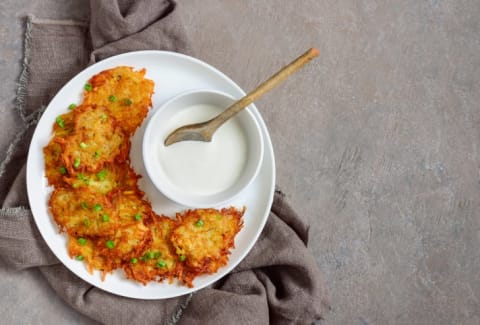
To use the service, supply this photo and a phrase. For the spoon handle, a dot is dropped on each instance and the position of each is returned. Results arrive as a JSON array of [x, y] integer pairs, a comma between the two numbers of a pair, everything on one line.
[[264, 87]]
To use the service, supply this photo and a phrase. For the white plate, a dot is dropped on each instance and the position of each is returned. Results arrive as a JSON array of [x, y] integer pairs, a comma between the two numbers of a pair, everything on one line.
[[172, 73]]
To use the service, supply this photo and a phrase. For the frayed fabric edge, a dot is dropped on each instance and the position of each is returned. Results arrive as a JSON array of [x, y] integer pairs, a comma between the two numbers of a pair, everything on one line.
[[11, 211], [20, 100], [178, 313], [66, 22], [29, 120], [16, 141]]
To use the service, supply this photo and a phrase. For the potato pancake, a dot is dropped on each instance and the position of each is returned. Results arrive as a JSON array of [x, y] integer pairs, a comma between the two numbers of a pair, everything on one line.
[[109, 253], [96, 140], [97, 202], [118, 176], [85, 249], [205, 237], [83, 212], [127, 242], [130, 207], [125, 93], [54, 167], [158, 261]]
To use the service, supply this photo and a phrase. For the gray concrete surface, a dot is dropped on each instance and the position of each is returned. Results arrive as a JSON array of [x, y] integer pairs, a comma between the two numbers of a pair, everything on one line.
[[380, 153]]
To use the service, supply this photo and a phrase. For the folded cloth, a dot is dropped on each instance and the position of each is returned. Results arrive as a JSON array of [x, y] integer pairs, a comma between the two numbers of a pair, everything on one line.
[[278, 282]]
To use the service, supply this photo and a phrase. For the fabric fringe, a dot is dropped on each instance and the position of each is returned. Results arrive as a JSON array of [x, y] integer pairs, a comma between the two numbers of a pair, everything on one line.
[[64, 22], [14, 211], [33, 120], [178, 313], [20, 101], [29, 120]]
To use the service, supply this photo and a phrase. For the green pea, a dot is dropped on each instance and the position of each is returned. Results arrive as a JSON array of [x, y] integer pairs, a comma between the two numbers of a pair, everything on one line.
[[60, 122], [112, 98], [82, 241], [110, 244], [101, 175], [88, 87], [83, 178], [199, 223]]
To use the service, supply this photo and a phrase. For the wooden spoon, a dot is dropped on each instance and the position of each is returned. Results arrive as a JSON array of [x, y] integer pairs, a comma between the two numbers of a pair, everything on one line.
[[204, 131]]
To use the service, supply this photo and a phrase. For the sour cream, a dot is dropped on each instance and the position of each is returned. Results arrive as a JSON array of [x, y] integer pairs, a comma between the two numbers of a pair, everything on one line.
[[202, 174], [203, 168]]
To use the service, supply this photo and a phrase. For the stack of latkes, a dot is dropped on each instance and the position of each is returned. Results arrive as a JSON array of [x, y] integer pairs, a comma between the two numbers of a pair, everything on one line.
[[96, 201]]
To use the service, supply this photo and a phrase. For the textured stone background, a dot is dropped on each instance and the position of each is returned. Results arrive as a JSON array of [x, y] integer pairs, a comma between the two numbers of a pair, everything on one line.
[[376, 144]]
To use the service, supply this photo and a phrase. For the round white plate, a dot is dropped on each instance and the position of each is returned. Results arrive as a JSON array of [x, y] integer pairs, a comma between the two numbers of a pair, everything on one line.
[[172, 73]]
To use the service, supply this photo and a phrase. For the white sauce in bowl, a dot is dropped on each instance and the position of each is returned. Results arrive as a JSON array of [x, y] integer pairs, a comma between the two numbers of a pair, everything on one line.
[[202, 174], [203, 167]]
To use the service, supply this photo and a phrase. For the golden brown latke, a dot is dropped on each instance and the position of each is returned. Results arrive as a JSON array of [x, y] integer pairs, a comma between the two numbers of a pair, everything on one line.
[[89, 213], [117, 176], [54, 167], [130, 206], [96, 140], [158, 261], [97, 202], [81, 212], [110, 252], [124, 92], [205, 237], [85, 249], [127, 242]]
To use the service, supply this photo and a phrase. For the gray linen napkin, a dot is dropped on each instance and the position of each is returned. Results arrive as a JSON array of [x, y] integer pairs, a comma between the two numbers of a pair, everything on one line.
[[278, 282]]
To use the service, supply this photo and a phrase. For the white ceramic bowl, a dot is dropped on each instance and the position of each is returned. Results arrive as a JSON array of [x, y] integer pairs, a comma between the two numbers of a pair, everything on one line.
[[202, 174]]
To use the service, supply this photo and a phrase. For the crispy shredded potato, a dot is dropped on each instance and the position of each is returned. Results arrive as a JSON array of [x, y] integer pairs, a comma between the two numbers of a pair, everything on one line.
[[81, 212], [96, 140], [54, 167], [158, 261], [96, 200], [204, 238], [125, 93], [117, 176]]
